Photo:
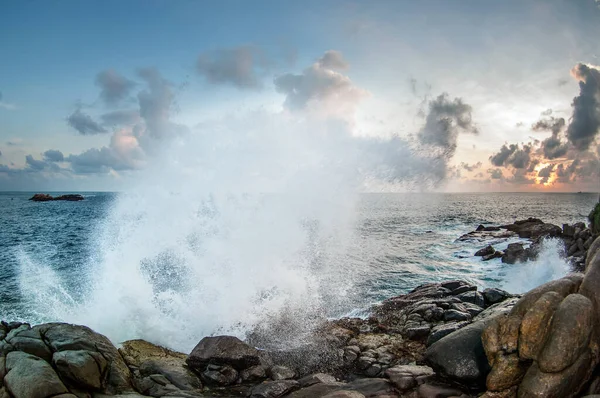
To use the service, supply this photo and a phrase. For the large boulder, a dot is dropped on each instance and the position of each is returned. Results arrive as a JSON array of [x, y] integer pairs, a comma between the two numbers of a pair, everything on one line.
[[460, 356], [31, 377], [533, 228], [223, 350], [83, 369], [535, 326]]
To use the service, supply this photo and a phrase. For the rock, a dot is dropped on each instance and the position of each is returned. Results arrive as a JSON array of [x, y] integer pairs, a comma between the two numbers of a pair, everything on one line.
[[508, 371], [274, 389], [223, 350], [220, 375], [344, 394], [443, 330], [406, 377], [496, 254], [473, 297], [494, 295], [254, 373], [29, 340], [569, 334], [42, 197], [371, 387], [84, 369], [460, 355], [434, 391], [316, 378], [486, 251], [592, 251], [513, 253], [31, 377], [317, 390], [153, 359], [281, 373], [535, 326], [67, 337], [533, 228], [565, 384], [454, 315]]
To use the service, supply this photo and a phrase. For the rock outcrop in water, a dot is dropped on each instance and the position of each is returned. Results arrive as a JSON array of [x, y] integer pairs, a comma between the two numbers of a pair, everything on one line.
[[44, 197]]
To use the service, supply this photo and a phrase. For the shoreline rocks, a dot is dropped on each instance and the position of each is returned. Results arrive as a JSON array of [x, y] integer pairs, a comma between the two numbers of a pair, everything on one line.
[[44, 197]]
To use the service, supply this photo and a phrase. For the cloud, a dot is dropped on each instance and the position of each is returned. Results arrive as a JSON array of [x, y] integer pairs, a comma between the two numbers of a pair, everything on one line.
[[239, 66], [113, 87], [84, 123], [553, 147], [321, 85], [545, 173], [471, 167], [585, 121], [6, 105], [512, 155], [120, 118], [444, 121], [53, 155], [495, 174], [35, 164]]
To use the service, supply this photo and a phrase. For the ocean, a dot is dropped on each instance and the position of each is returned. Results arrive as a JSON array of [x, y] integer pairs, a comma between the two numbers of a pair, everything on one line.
[[174, 269]]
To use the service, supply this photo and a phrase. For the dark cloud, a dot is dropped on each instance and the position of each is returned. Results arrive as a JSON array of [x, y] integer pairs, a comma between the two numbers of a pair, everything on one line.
[[565, 173], [35, 164], [321, 82], [553, 147], [113, 87], [495, 174], [120, 118], [53, 155], [444, 121], [545, 173], [585, 121], [512, 155], [471, 167], [84, 123], [239, 66]]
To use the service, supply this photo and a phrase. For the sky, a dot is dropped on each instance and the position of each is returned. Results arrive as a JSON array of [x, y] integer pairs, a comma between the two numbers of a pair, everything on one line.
[[499, 95]]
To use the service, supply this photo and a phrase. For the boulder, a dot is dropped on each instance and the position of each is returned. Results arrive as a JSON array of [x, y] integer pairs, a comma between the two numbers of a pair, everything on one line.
[[83, 369], [592, 251], [485, 251], [460, 356], [223, 350], [317, 390], [274, 389], [344, 394], [278, 372], [569, 334], [31, 377], [591, 281], [371, 387], [443, 330], [565, 384], [514, 252], [407, 377], [535, 326], [533, 228], [508, 371], [316, 378], [494, 295], [563, 287]]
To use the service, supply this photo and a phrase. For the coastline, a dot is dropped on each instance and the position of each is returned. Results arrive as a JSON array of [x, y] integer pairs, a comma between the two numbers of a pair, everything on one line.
[[439, 340]]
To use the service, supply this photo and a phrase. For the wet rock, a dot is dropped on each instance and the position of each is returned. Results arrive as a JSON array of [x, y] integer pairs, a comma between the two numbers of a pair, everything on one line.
[[496, 254], [274, 389], [317, 390], [494, 295], [443, 330], [535, 326], [569, 334], [473, 297], [223, 350], [406, 377], [41, 197], [514, 252], [344, 394], [153, 359], [533, 228], [565, 384], [460, 355], [254, 373], [83, 369], [281, 373], [220, 375], [485, 251], [316, 378], [31, 377], [454, 315], [371, 387]]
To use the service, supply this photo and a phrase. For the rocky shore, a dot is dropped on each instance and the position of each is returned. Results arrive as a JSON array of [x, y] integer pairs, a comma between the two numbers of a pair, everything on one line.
[[439, 340]]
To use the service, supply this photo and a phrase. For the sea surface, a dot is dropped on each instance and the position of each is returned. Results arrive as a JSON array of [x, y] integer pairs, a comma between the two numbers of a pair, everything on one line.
[[72, 261]]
